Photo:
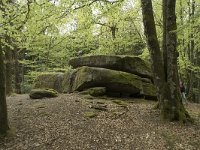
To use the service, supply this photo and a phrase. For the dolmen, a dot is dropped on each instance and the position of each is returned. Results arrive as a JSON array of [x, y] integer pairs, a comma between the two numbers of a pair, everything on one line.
[[104, 75]]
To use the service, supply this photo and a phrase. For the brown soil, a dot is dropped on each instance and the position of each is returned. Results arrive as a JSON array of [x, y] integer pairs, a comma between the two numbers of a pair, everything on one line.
[[70, 122]]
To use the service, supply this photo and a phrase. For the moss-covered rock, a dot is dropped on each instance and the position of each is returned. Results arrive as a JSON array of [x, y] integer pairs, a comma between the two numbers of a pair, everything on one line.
[[96, 91], [49, 80], [114, 81], [42, 93], [68, 78], [130, 64], [149, 91]]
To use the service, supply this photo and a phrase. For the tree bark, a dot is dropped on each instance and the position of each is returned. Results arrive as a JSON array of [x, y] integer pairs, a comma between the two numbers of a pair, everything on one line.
[[164, 46], [168, 90], [153, 46], [3, 107], [191, 49], [173, 108], [8, 63], [17, 72]]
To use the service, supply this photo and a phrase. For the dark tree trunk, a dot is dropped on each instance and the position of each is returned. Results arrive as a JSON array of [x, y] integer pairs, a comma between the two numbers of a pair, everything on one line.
[[153, 46], [191, 50], [168, 91], [17, 73], [3, 107], [8, 63], [113, 31], [198, 79], [164, 42], [173, 108]]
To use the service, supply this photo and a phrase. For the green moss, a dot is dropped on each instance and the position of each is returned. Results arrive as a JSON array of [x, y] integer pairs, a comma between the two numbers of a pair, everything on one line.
[[114, 81], [173, 109], [10, 132], [103, 76], [90, 114], [156, 106], [66, 83], [97, 91], [120, 102], [89, 97], [149, 91], [49, 80], [86, 92], [41, 93]]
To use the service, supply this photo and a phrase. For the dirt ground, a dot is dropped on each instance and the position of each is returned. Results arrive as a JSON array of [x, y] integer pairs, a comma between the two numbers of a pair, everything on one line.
[[81, 122]]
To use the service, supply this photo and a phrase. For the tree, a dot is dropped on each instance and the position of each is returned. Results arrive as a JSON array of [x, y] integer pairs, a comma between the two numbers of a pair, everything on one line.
[[165, 72], [11, 22], [3, 107]]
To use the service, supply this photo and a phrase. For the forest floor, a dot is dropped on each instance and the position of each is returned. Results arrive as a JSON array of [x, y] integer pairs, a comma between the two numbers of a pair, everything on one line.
[[72, 122]]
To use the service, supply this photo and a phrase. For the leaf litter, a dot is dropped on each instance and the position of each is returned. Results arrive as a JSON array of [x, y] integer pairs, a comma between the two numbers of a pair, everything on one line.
[[61, 123]]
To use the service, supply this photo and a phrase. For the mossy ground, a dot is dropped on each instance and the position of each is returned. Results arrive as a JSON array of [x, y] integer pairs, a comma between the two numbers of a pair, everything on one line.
[[90, 114]]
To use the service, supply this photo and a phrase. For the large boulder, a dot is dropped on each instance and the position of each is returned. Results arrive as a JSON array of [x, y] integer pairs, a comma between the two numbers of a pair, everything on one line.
[[50, 81], [149, 91], [43, 93], [95, 91], [68, 79], [114, 81], [130, 64]]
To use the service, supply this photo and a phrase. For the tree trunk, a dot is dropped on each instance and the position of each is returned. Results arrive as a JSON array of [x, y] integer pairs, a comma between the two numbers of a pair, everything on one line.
[[192, 78], [17, 73], [113, 31], [3, 107], [8, 63], [173, 108], [153, 46], [164, 42], [168, 91]]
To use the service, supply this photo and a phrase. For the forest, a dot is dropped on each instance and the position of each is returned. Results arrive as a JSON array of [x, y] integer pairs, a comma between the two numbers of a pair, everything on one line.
[[99, 74]]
